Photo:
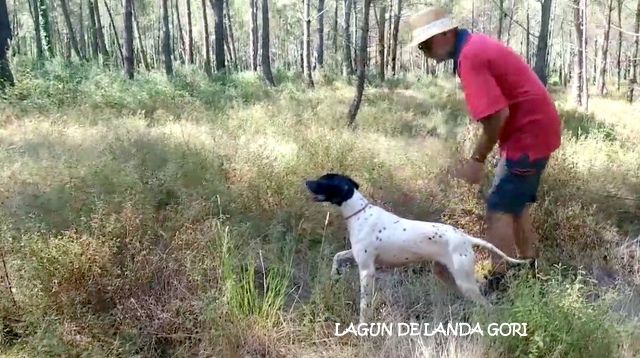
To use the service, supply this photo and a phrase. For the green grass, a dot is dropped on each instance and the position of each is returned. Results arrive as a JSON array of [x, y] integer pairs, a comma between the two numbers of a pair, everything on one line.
[[168, 218]]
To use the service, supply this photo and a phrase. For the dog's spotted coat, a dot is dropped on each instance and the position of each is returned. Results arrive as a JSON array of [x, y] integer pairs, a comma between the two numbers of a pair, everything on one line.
[[381, 238]]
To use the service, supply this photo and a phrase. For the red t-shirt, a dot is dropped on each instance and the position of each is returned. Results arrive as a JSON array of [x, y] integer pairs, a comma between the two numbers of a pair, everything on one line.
[[493, 76]]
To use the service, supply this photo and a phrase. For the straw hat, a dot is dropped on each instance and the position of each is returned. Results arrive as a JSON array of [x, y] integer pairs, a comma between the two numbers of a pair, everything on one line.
[[427, 23]]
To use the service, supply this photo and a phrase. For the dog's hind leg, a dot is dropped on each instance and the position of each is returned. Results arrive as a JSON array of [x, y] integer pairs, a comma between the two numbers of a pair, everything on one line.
[[340, 260]]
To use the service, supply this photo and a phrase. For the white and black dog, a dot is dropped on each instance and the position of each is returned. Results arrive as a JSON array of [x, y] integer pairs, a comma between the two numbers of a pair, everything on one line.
[[381, 238]]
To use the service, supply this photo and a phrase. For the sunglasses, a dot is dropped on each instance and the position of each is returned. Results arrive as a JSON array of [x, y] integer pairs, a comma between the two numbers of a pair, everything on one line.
[[424, 46]]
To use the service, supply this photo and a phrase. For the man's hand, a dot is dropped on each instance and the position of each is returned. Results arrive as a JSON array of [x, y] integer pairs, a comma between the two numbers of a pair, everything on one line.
[[469, 171]]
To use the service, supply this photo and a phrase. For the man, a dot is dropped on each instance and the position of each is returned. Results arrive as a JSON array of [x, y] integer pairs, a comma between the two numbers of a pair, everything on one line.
[[506, 97]]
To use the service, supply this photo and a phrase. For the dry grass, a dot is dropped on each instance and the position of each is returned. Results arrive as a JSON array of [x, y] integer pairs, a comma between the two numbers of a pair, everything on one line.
[[156, 218]]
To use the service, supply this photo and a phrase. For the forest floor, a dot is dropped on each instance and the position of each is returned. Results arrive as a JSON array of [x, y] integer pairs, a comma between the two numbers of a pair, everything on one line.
[[152, 218]]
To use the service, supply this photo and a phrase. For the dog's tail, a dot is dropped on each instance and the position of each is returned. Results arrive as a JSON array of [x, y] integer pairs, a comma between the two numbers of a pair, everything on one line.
[[488, 245]]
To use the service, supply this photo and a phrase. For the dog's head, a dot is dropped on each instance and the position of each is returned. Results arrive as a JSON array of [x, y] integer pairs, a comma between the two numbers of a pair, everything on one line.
[[332, 188]]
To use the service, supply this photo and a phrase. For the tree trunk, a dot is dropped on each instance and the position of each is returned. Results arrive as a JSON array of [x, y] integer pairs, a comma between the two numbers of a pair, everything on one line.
[[362, 59], [511, 16], [253, 44], [396, 30], [6, 76], [347, 65], [207, 39], [102, 43], [501, 15], [142, 49], [381, 41], [528, 41], [35, 14], [354, 26], [335, 27], [619, 52], [320, 47], [594, 71], [307, 44], [232, 43], [633, 78], [71, 32], [81, 37], [190, 33], [166, 40], [605, 51], [585, 86], [266, 50], [92, 29], [45, 27], [218, 33], [543, 37], [114, 29], [578, 73], [128, 39], [183, 43]]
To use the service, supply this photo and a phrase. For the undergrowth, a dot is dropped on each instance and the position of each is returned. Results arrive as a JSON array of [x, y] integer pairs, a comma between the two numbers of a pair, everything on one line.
[[162, 217]]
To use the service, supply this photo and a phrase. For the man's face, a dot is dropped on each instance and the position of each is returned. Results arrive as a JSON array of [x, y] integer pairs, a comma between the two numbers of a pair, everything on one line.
[[439, 47]]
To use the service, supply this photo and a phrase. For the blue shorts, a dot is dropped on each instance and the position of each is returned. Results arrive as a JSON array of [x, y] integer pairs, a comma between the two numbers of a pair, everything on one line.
[[515, 184]]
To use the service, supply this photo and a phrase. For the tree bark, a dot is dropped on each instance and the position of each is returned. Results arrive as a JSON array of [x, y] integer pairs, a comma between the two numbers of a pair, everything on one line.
[[207, 39], [218, 33], [183, 43], [528, 40], [578, 73], [81, 37], [102, 43], [633, 78], [307, 44], [605, 51], [543, 38], [92, 30], [347, 65], [320, 47], [45, 27], [362, 60], [335, 27], [381, 42], [232, 43], [166, 40], [619, 52], [266, 50], [190, 33], [114, 30], [142, 49], [6, 76], [128, 39], [396, 30], [35, 15], [253, 44], [71, 32], [501, 15]]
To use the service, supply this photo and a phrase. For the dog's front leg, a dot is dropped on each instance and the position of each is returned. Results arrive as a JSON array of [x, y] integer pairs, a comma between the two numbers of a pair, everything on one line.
[[341, 259], [367, 281]]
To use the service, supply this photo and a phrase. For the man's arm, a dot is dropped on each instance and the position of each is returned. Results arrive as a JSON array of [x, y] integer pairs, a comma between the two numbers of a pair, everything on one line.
[[491, 127]]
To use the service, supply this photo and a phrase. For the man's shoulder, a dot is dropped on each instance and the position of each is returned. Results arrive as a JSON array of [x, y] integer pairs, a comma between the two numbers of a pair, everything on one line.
[[481, 45]]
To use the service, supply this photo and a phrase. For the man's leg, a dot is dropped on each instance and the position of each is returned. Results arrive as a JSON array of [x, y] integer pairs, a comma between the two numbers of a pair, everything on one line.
[[525, 236], [504, 203], [500, 232]]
